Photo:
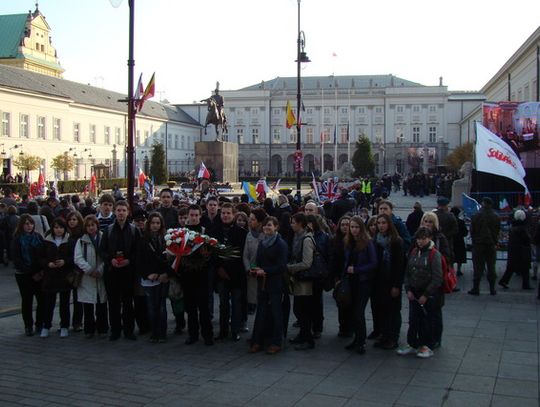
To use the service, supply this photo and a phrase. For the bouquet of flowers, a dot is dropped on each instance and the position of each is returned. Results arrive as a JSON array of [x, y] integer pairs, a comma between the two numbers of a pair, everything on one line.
[[183, 242]]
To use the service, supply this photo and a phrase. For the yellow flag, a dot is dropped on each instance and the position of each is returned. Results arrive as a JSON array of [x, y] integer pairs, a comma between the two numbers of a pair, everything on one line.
[[290, 120]]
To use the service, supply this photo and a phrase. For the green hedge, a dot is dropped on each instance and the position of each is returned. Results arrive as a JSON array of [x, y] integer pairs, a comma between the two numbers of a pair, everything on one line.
[[77, 186], [19, 189], [179, 180]]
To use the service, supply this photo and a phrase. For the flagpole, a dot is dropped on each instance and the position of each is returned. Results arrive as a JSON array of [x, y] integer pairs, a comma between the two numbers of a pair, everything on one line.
[[335, 128], [131, 108], [322, 131], [349, 129]]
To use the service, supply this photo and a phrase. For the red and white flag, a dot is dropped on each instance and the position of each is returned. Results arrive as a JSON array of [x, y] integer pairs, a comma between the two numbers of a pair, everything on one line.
[[203, 172], [138, 94], [494, 156], [141, 179]]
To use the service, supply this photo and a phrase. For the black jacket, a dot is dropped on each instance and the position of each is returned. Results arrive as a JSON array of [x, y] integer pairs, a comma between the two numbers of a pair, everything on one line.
[[391, 275], [273, 260], [235, 237], [150, 257], [55, 279], [170, 216], [115, 240], [18, 262]]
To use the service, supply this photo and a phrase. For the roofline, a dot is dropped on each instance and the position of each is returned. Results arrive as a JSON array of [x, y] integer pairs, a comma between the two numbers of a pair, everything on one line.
[[533, 38]]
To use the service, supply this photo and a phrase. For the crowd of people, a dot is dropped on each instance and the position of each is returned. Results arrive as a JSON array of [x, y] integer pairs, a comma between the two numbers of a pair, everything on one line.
[[109, 267]]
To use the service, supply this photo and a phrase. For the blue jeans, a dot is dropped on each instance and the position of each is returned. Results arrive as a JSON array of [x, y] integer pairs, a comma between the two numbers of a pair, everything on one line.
[[156, 297], [230, 307]]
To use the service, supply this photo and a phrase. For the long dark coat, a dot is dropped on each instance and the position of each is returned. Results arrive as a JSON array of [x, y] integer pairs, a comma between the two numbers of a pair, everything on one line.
[[519, 248]]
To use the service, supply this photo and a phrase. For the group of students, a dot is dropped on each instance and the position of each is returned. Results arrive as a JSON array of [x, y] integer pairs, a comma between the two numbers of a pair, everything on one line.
[[127, 276]]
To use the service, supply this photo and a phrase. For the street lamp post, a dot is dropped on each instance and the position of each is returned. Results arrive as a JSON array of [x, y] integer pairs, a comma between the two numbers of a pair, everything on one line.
[[301, 56], [89, 150], [114, 152], [130, 149]]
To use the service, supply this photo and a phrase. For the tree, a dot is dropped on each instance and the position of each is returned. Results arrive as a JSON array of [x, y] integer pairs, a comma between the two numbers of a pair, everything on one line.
[[27, 162], [158, 168], [64, 163], [459, 156], [362, 159]]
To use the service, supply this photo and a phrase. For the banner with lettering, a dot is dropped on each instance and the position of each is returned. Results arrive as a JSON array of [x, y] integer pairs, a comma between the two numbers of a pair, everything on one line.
[[494, 156]]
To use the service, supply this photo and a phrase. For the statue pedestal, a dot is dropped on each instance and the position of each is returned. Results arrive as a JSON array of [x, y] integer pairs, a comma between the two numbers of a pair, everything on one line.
[[220, 156], [459, 187]]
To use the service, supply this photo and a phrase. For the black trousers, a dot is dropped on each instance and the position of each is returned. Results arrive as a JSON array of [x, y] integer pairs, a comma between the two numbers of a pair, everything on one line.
[[50, 303], [140, 308], [95, 318], [360, 293], [119, 286], [386, 312], [318, 306], [197, 309], [484, 257], [304, 308], [420, 331], [28, 288], [77, 310]]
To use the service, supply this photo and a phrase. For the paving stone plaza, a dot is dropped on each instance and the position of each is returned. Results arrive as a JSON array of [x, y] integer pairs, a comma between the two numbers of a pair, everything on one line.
[[489, 357]]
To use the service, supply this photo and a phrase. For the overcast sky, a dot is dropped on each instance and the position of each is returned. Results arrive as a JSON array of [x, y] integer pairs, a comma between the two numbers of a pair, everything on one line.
[[192, 44]]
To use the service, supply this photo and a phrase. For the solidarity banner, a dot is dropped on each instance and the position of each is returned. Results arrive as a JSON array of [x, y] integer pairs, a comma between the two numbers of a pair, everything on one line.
[[494, 156]]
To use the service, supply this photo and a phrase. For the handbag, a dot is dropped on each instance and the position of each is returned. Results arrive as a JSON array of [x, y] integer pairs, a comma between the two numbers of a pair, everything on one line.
[[318, 269], [74, 277], [342, 292]]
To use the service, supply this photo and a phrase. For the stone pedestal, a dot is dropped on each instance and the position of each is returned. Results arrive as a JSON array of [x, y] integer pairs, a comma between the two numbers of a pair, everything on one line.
[[221, 156]]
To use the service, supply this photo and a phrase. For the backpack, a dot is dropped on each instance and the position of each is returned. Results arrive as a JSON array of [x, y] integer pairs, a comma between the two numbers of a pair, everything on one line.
[[448, 273], [319, 267]]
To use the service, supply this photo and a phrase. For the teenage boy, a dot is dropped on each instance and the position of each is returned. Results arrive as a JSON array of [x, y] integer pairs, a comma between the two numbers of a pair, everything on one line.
[[117, 248], [231, 276], [194, 279], [105, 215]]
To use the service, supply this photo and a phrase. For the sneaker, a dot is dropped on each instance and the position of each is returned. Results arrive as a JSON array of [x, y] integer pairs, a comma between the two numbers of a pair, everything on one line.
[[44, 333], [64, 333], [406, 350], [424, 352]]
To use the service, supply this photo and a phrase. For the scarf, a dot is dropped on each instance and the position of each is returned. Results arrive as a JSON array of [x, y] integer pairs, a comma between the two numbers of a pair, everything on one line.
[[255, 233], [28, 242], [384, 242], [297, 245], [269, 240], [95, 241]]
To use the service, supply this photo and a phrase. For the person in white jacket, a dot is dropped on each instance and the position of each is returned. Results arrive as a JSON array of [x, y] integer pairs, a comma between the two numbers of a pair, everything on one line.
[[91, 291]]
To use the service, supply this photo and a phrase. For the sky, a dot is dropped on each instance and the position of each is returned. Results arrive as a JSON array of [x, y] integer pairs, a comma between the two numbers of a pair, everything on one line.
[[192, 44]]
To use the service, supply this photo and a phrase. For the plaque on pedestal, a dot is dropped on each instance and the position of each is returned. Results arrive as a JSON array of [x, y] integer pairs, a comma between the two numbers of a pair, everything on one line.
[[220, 156]]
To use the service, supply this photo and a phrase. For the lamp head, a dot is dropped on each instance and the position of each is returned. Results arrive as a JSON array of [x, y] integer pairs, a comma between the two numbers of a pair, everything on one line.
[[303, 57]]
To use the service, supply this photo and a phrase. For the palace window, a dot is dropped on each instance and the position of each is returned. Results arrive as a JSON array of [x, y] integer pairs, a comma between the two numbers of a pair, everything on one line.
[[57, 128], [107, 135], [41, 129], [416, 134], [77, 132], [24, 132], [432, 134], [6, 124], [276, 138], [93, 133]]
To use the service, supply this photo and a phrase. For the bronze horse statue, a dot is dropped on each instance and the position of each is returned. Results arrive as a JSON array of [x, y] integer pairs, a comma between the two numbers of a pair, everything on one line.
[[219, 120]]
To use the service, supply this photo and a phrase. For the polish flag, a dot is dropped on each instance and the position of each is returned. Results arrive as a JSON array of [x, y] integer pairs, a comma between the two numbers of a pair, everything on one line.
[[203, 172]]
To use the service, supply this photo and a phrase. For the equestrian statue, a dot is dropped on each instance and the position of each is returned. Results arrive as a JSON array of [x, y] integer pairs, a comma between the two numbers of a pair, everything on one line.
[[216, 115]]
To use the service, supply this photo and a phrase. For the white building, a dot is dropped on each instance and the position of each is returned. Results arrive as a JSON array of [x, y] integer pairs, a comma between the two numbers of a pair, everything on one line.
[[47, 116], [404, 121]]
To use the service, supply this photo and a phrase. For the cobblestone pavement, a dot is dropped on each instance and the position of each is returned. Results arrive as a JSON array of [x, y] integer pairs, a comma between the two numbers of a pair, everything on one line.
[[489, 357]]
